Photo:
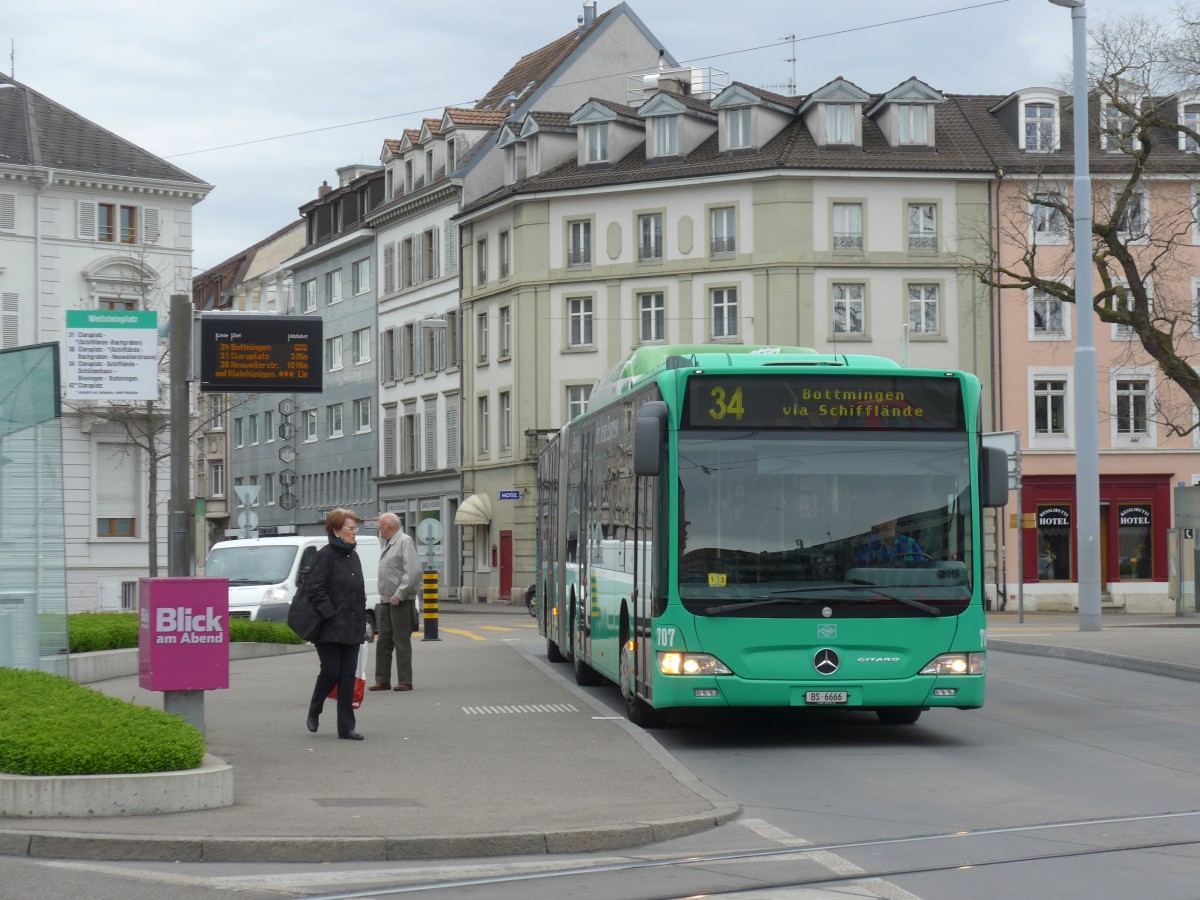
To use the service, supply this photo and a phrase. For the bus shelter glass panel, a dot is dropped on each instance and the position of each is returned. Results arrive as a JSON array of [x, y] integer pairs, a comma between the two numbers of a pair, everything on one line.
[[33, 596]]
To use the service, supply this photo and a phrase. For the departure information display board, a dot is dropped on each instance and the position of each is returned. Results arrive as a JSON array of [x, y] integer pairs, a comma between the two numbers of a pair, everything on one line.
[[261, 354]]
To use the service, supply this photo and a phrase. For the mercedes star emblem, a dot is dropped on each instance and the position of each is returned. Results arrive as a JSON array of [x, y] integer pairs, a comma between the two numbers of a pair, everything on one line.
[[826, 661]]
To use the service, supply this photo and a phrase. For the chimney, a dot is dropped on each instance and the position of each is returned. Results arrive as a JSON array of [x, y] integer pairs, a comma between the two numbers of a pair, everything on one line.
[[323, 189], [589, 13]]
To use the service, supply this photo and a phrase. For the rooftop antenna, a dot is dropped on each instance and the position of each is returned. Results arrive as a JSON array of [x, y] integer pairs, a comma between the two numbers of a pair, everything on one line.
[[792, 60], [12, 59]]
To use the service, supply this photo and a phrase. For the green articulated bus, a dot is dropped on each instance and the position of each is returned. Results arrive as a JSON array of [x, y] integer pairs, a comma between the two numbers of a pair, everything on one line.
[[770, 526]]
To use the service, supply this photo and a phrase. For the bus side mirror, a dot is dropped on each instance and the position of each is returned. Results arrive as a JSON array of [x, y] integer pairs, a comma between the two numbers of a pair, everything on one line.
[[993, 477], [650, 431]]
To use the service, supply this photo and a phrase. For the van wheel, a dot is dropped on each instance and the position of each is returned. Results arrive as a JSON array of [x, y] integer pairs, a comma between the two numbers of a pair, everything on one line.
[[370, 630]]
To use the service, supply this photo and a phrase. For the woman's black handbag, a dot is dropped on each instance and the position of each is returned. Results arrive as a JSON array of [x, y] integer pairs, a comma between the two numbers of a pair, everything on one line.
[[303, 617]]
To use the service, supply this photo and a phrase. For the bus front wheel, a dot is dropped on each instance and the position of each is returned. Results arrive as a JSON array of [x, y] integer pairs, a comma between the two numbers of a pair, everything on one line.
[[898, 715], [637, 710]]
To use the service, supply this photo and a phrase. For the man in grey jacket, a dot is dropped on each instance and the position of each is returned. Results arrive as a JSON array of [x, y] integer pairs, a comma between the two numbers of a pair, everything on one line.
[[400, 578]]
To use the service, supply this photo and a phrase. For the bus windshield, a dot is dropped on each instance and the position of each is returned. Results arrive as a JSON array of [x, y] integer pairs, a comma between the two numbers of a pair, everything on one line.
[[783, 522]]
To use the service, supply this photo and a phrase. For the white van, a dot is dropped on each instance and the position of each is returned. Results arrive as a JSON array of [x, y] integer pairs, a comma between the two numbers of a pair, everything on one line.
[[265, 573]]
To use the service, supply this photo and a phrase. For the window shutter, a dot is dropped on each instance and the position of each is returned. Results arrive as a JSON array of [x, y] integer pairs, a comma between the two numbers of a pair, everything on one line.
[[433, 252], [389, 268], [10, 318], [87, 220], [8, 212], [451, 247], [150, 219], [417, 348], [439, 349], [418, 258], [389, 442], [452, 460], [117, 491], [430, 434]]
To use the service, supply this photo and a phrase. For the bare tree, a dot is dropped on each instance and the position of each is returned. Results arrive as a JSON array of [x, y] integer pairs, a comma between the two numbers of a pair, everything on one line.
[[1144, 84]]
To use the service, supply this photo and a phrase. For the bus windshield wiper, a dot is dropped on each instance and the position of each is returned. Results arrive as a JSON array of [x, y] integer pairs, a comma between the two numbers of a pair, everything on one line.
[[907, 601], [717, 610]]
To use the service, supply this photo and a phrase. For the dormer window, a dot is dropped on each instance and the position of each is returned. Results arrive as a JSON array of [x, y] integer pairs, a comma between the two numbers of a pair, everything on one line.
[[408, 176], [1190, 116], [533, 158], [737, 128], [912, 124], [839, 123], [451, 155], [666, 136], [428, 166], [1117, 130], [597, 142], [1039, 127]]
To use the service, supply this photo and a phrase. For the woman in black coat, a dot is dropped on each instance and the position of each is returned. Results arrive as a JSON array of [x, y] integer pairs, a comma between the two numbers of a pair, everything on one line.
[[336, 588]]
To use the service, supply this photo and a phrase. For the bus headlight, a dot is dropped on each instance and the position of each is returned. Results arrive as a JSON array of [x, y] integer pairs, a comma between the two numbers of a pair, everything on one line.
[[675, 663], [956, 664]]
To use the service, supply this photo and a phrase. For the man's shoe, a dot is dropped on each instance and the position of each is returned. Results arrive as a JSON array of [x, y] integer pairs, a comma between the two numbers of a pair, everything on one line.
[[402, 687], [351, 736], [381, 686], [312, 724]]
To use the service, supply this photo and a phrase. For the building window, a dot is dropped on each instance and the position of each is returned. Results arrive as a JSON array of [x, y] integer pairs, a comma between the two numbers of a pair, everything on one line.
[[1049, 223], [923, 308], [505, 332], [333, 287], [1134, 542], [1132, 224], [505, 262], [117, 223], [1047, 314], [333, 420], [1050, 407], [216, 479], [362, 276], [482, 424], [408, 362], [1054, 542], [849, 308], [481, 337], [252, 429], [267, 495], [577, 400], [505, 400], [922, 228], [216, 403], [580, 237], [579, 318], [737, 128], [310, 425], [252, 481], [652, 317], [847, 227], [361, 347], [724, 312], [839, 123], [239, 432], [481, 261], [596, 136], [268, 427], [362, 415], [1117, 129], [333, 354], [912, 123], [1133, 397], [724, 237], [1039, 127], [650, 235], [408, 439], [666, 135], [117, 491], [308, 295]]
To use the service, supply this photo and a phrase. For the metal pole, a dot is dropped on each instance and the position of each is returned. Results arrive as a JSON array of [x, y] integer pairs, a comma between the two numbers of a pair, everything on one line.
[[1087, 450], [179, 518]]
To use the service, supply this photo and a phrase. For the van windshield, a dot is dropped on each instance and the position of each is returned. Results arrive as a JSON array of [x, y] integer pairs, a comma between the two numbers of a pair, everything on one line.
[[251, 565]]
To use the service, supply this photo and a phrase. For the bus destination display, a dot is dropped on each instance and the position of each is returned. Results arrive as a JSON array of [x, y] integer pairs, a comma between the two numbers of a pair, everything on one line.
[[849, 403], [264, 354]]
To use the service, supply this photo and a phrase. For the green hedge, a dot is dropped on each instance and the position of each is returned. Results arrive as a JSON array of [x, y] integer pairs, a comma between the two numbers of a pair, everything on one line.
[[53, 726], [116, 631]]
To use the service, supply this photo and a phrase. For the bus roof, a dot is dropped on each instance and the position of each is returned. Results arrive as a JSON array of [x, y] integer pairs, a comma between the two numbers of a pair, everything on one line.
[[647, 361]]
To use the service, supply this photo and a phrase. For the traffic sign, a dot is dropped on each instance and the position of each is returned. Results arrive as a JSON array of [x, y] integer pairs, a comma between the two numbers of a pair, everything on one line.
[[430, 531]]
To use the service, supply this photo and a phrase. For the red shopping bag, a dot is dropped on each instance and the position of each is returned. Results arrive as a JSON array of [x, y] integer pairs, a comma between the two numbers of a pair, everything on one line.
[[360, 679]]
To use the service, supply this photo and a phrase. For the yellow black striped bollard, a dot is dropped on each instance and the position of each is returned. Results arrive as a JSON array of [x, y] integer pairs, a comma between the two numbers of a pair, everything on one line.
[[431, 607]]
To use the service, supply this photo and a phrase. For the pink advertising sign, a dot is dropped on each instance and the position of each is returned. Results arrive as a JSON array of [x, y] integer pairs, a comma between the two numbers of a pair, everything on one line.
[[183, 634]]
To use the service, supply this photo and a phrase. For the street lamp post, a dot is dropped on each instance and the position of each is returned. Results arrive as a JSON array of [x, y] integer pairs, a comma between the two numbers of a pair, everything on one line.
[[1087, 446]]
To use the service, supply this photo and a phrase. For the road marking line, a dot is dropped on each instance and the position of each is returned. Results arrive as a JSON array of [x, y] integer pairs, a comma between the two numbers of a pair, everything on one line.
[[469, 634]]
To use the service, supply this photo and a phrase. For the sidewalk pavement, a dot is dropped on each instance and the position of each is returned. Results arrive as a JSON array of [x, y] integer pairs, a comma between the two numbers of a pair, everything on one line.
[[487, 756]]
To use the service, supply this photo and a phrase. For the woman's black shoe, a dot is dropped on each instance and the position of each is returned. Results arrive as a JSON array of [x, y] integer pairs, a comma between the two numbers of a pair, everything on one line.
[[312, 723], [351, 736]]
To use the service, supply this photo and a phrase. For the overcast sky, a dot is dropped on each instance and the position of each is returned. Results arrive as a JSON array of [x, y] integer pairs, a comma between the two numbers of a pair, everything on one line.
[[180, 77]]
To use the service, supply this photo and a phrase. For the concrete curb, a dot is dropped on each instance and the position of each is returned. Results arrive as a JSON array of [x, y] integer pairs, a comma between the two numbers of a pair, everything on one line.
[[1100, 658], [64, 796], [87, 668]]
